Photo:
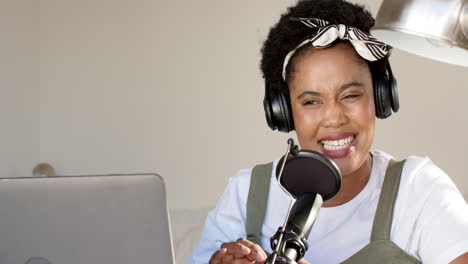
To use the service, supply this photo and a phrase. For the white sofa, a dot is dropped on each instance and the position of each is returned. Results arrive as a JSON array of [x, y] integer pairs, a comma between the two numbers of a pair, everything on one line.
[[186, 225]]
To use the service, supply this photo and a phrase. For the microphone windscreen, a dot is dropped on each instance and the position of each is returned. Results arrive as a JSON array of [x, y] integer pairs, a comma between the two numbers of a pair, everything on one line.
[[310, 172]]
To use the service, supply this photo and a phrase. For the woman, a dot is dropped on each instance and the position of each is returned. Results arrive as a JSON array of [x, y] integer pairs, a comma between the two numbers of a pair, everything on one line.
[[331, 79]]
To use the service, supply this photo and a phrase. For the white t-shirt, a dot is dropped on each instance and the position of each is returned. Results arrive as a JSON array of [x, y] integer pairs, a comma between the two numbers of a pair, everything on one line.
[[430, 220]]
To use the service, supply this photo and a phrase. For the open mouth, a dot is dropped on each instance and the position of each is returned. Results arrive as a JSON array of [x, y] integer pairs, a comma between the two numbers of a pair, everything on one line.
[[339, 143]]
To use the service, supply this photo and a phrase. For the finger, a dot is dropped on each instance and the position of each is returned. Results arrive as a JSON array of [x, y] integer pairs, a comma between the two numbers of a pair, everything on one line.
[[217, 256], [303, 261], [232, 260], [257, 253], [228, 259], [242, 261], [238, 250]]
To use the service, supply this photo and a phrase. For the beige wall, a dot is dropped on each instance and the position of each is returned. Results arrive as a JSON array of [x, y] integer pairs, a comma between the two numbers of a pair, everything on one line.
[[19, 90], [168, 87], [173, 87]]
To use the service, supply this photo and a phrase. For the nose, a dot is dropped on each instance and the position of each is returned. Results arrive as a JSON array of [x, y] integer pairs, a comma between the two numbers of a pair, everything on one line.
[[333, 115]]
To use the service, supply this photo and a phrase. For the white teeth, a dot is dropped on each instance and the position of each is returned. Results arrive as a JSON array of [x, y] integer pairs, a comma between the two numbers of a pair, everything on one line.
[[337, 144]]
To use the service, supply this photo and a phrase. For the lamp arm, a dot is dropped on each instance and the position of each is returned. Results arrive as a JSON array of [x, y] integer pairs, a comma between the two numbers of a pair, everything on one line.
[[464, 19]]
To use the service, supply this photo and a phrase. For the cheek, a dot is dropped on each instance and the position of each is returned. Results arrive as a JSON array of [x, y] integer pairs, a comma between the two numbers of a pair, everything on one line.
[[371, 106], [306, 124], [362, 112], [364, 117]]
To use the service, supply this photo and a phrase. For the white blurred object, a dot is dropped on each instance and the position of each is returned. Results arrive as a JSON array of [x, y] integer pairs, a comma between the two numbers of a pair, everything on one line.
[[435, 29]]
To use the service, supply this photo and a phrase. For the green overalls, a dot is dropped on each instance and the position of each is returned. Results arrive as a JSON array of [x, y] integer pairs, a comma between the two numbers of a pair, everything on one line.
[[380, 249]]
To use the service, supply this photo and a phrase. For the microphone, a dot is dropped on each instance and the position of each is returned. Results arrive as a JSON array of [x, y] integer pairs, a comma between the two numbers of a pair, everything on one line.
[[311, 178], [293, 244]]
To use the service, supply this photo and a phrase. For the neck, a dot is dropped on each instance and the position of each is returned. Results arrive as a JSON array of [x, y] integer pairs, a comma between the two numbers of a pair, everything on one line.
[[352, 184]]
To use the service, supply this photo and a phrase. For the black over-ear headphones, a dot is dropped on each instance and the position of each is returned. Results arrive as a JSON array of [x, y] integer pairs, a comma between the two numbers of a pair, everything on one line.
[[278, 111]]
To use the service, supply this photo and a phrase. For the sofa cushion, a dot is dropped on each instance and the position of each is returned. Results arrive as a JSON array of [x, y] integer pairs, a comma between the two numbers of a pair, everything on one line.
[[186, 225]]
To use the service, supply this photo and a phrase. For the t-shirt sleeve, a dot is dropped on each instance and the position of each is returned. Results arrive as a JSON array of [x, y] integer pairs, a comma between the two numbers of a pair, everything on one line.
[[443, 220], [226, 222]]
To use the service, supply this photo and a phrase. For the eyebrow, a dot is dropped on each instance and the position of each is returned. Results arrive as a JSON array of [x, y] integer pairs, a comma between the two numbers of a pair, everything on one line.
[[343, 87]]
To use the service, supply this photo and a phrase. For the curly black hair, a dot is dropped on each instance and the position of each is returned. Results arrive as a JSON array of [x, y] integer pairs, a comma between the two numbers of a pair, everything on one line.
[[287, 34]]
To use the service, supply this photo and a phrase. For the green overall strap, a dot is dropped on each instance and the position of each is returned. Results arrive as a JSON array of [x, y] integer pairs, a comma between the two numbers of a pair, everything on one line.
[[257, 201], [381, 249], [384, 213]]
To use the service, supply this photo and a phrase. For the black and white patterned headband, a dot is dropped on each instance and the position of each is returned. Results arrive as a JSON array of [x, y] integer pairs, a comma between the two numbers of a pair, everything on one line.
[[365, 45]]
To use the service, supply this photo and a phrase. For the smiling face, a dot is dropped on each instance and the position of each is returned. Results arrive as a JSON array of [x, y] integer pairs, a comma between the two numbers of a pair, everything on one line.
[[332, 102]]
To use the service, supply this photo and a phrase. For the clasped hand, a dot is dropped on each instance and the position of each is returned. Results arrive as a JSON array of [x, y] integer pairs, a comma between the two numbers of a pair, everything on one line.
[[241, 252]]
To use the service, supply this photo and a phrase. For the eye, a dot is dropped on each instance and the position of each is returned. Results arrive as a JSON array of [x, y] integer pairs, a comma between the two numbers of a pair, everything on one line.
[[351, 96], [311, 102]]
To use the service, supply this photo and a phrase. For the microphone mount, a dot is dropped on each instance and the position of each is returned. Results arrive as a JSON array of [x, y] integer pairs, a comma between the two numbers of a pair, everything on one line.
[[290, 241], [311, 178]]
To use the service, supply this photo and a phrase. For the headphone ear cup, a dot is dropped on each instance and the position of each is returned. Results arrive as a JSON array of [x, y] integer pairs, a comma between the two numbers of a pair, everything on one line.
[[286, 115], [395, 102], [385, 91], [277, 110], [268, 109], [382, 99]]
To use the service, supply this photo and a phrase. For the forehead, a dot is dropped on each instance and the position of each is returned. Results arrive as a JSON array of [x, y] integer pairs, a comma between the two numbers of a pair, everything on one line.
[[335, 65]]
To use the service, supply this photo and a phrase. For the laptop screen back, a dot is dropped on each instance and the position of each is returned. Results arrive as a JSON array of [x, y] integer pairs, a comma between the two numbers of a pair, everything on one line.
[[111, 219]]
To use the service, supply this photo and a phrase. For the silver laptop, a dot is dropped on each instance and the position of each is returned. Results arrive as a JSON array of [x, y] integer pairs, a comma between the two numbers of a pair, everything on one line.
[[103, 219]]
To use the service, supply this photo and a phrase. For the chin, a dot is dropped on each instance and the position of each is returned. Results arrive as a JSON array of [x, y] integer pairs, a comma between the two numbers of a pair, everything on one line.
[[346, 167], [350, 164]]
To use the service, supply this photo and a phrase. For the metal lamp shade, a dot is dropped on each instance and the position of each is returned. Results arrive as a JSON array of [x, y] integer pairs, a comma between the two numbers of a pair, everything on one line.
[[436, 29]]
